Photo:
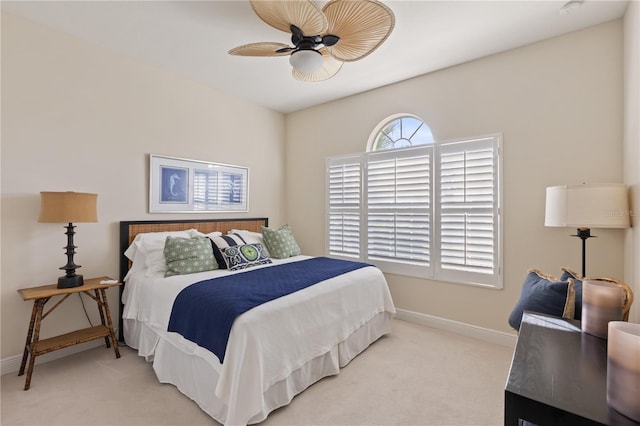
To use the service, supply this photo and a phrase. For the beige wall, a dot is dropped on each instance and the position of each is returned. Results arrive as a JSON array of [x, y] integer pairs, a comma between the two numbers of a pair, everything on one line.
[[80, 117], [558, 104], [632, 147]]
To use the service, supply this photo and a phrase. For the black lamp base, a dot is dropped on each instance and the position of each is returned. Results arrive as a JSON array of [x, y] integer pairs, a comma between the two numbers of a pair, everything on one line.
[[70, 279], [583, 234], [70, 282]]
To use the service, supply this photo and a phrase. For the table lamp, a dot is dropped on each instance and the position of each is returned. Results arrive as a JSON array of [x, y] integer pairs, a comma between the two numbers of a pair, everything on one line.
[[68, 207], [586, 206]]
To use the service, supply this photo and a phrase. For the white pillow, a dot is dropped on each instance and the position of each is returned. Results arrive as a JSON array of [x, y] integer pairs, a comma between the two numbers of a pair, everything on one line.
[[137, 241], [146, 250], [210, 234], [249, 236], [154, 258]]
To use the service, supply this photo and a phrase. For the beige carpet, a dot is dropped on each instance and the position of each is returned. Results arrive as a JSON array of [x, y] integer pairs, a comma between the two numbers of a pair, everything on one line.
[[414, 376]]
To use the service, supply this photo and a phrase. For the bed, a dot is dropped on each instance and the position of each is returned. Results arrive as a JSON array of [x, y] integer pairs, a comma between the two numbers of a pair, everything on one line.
[[274, 350]]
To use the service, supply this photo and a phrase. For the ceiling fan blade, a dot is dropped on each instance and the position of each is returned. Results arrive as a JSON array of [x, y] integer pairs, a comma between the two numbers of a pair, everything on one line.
[[329, 68], [361, 25], [261, 49], [304, 14]]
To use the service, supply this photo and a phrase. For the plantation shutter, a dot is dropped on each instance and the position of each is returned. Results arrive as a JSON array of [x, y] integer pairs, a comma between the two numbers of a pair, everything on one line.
[[431, 211], [468, 196], [344, 184], [399, 205]]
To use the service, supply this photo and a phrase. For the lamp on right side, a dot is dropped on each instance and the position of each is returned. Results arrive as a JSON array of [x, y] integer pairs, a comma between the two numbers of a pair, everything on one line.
[[586, 206]]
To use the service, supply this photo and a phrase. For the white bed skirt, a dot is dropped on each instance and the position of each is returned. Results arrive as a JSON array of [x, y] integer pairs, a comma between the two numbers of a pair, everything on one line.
[[195, 371]]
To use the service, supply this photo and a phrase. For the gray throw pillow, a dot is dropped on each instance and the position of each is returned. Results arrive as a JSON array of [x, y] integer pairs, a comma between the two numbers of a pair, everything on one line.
[[544, 294]]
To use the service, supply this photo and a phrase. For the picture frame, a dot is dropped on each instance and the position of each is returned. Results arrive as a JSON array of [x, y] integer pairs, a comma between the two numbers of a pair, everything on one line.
[[180, 185]]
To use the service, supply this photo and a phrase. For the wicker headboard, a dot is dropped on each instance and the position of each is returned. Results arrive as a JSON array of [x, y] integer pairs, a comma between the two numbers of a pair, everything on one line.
[[129, 230]]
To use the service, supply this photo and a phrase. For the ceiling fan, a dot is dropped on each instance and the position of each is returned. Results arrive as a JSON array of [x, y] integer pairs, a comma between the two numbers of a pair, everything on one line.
[[342, 31]]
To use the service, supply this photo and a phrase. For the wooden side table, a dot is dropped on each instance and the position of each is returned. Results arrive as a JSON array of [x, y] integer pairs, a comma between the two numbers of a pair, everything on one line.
[[40, 296]]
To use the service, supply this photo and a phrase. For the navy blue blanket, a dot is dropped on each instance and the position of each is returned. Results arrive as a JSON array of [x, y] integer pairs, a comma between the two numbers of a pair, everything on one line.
[[204, 312]]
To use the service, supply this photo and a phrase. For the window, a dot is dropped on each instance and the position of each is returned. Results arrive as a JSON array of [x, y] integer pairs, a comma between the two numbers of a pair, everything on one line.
[[401, 131], [468, 211], [430, 210]]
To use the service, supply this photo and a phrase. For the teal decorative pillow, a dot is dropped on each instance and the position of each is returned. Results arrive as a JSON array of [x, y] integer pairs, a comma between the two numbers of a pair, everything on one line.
[[245, 256], [188, 255], [280, 242]]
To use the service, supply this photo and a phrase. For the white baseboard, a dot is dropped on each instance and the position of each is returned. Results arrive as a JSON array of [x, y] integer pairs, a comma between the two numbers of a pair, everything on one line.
[[12, 364], [486, 334]]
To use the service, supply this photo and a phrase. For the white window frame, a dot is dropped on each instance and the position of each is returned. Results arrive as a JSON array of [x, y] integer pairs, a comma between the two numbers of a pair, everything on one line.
[[433, 271]]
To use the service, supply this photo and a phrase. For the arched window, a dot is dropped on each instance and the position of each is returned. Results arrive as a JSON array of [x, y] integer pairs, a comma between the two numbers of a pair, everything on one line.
[[400, 131], [416, 207]]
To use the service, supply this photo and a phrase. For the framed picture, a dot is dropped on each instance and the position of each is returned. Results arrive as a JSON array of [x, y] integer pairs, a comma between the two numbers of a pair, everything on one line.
[[179, 185]]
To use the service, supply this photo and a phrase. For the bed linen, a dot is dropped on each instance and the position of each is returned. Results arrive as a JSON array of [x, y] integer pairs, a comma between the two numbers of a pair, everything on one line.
[[321, 329], [204, 312]]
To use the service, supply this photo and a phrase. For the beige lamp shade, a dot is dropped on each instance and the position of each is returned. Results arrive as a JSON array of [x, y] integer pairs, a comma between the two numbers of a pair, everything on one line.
[[68, 207], [587, 206]]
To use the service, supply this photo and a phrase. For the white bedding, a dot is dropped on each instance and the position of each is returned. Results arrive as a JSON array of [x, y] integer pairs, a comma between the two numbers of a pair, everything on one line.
[[274, 351]]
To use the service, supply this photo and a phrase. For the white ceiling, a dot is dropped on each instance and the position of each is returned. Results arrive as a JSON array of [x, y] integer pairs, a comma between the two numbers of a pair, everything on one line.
[[191, 39]]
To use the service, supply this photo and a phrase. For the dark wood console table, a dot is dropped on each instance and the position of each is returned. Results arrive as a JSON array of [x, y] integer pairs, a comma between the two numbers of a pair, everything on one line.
[[558, 376]]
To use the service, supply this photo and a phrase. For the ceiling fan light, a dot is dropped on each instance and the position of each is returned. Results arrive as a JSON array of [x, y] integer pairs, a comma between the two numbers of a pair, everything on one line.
[[307, 60]]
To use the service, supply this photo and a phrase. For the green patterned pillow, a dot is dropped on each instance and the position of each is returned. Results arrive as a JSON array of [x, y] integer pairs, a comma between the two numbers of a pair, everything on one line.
[[188, 255], [245, 256], [280, 242]]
